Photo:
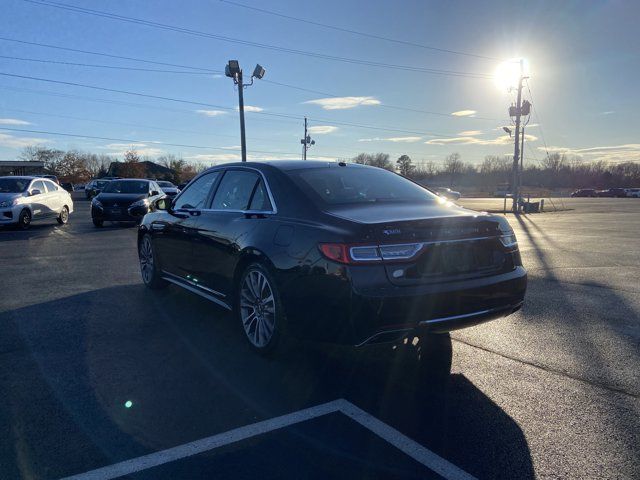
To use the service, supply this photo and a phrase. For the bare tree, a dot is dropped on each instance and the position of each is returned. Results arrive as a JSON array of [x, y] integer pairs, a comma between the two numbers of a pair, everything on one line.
[[453, 166]]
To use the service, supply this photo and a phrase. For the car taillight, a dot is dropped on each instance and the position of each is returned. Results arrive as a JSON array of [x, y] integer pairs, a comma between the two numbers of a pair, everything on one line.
[[355, 254]]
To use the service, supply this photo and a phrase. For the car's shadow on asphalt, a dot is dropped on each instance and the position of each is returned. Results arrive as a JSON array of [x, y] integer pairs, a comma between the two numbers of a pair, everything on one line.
[[77, 362]]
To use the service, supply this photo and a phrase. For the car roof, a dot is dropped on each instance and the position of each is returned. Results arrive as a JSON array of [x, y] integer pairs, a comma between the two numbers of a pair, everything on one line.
[[293, 164]]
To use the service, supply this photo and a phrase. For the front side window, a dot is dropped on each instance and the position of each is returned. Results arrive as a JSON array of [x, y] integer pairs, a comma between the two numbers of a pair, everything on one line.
[[235, 190], [351, 185], [196, 195], [38, 186]]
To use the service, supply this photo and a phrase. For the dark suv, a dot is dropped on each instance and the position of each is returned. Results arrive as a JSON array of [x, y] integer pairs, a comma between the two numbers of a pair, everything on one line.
[[331, 252], [125, 200]]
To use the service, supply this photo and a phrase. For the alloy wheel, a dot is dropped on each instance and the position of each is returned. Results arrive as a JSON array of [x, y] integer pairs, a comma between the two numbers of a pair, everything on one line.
[[146, 260], [257, 308]]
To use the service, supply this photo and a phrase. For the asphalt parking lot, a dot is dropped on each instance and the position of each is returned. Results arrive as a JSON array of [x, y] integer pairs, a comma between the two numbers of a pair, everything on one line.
[[96, 370]]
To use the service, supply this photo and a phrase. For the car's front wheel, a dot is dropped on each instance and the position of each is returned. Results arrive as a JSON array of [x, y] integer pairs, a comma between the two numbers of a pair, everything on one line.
[[24, 220], [63, 217], [259, 310], [149, 267]]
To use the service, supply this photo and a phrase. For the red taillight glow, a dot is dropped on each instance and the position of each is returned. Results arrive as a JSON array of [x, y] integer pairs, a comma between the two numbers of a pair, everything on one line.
[[338, 252]]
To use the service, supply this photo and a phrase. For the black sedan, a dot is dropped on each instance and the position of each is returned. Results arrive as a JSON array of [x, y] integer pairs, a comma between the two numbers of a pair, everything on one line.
[[125, 200], [331, 252]]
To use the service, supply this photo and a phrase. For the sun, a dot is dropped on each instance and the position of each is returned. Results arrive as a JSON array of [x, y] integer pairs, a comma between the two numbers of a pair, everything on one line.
[[508, 73]]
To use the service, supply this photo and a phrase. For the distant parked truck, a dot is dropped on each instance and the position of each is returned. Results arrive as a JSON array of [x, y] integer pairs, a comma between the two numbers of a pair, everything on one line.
[[612, 192]]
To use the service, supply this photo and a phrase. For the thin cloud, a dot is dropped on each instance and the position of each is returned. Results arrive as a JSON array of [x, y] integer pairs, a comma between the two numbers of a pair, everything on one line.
[[322, 129], [344, 103], [211, 113], [464, 113], [13, 121], [629, 152], [392, 139], [11, 141], [608, 112], [502, 140], [251, 108], [470, 133]]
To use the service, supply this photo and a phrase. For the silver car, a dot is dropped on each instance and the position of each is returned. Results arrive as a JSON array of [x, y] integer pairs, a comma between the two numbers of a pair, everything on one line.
[[27, 199]]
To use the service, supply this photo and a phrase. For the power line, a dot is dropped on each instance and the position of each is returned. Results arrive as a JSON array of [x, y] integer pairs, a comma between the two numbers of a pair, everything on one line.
[[93, 65], [535, 111], [110, 55], [356, 32], [292, 51], [192, 102], [203, 70], [130, 141]]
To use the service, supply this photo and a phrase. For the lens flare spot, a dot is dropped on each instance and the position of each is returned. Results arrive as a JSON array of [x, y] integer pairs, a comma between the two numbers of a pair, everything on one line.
[[128, 404]]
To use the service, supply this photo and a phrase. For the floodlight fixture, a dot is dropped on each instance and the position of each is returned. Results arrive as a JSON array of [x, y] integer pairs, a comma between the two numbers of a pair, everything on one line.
[[232, 69], [508, 130], [258, 72]]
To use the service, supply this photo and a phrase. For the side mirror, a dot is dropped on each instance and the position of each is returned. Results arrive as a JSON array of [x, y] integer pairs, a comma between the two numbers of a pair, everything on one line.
[[154, 193], [162, 204], [35, 191]]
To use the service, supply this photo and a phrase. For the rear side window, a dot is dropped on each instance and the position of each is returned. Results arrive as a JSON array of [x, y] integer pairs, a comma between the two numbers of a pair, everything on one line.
[[51, 187], [196, 194], [260, 201], [235, 190]]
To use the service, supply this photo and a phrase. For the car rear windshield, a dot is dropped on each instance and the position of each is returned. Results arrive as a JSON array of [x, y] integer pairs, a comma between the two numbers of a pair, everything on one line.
[[116, 186], [352, 185], [13, 185], [166, 184]]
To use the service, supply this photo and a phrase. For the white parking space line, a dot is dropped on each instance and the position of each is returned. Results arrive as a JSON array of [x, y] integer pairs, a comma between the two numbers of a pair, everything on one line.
[[384, 431]]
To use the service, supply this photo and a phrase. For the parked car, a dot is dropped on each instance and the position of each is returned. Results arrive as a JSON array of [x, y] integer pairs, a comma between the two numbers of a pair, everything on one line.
[[67, 186], [94, 187], [333, 252], [447, 193], [612, 192], [53, 178], [585, 192], [125, 200], [24, 200], [182, 185], [632, 192], [168, 188]]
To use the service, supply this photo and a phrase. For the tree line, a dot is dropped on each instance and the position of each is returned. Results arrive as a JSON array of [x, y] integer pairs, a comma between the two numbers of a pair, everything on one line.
[[557, 170], [79, 167]]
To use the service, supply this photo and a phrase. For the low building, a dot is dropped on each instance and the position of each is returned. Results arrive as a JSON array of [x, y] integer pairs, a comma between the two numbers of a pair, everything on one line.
[[21, 167]]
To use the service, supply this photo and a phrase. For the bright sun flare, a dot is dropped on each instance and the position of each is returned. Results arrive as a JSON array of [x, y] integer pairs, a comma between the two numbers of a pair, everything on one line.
[[508, 72]]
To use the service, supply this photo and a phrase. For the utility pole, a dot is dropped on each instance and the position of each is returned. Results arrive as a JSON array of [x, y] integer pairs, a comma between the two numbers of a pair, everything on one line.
[[233, 70], [517, 112], [521, 170], [306, 141], [243, 141]]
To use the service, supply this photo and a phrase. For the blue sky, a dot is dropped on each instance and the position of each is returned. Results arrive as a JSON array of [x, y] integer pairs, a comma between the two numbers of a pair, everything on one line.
[[583, 56]]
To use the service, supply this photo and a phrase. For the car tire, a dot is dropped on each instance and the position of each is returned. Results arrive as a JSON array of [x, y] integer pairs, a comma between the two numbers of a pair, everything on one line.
[[259, 310], [24, 219], [149, 264], [98, 223], [435, 357], [63, 217]]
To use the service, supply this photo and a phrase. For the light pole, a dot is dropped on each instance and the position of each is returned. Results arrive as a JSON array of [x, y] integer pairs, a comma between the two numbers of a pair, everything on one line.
[[233, 70], [306, 141]]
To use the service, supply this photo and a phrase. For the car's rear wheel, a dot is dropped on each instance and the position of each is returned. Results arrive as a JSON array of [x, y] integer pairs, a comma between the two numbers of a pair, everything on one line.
[[24, 220], [98, 223], [259, 310], [64, 215], [149, 265]]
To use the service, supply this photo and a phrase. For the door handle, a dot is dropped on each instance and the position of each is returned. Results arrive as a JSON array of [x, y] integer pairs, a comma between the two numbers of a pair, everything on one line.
[[194, 213]]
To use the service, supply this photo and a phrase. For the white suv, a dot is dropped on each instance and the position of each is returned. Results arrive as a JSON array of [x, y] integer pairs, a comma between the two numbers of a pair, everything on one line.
[[26, 199]]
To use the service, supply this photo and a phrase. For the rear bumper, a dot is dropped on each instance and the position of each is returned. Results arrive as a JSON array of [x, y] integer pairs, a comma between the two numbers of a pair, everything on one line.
[[341, 314]]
